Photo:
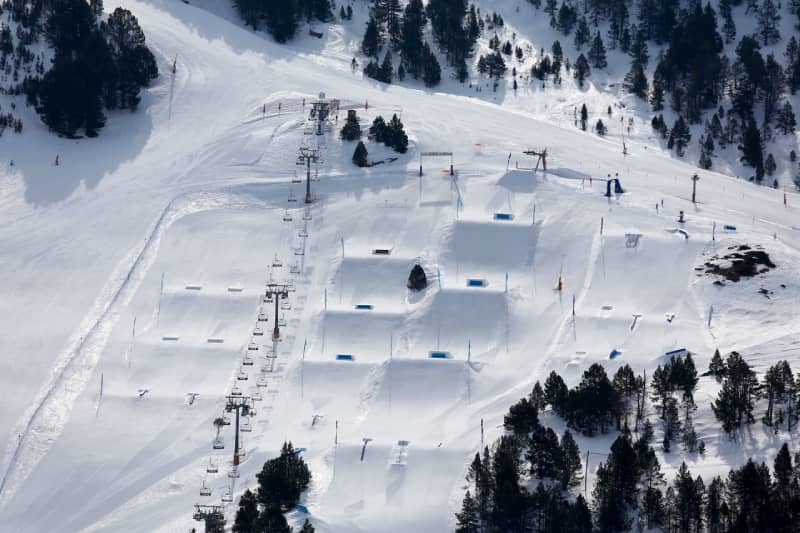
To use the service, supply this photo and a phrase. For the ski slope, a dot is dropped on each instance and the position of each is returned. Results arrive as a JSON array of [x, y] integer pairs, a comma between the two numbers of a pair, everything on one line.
[[139, 263]]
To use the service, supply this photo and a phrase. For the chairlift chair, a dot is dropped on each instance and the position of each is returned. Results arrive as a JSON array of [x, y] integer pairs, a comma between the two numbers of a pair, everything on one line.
[[299, 251], [262, 317], [253, 347], [255, 394], [219, 443], [261, 381], [296, 178], [205, 491], [286, 216], [227, 496], [236, 391], [257, 331], [267, 299], [294, 269], [245, 427], [247, 360], [212, 467], [277, 262], [282, 321], [286, 304], [242, 375], [307, 215], [234, 472], [292, 197]]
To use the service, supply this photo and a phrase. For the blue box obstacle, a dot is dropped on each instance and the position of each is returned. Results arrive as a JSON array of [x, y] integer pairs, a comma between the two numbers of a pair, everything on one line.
[[680, 352], [503, 216], [614, 354], [728, 227], [364, 307], [439, 355], [476, 282], [344, 357], [381, 251]]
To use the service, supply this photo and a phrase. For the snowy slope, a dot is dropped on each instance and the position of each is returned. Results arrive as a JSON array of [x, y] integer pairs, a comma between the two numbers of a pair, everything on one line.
[[192, 191]]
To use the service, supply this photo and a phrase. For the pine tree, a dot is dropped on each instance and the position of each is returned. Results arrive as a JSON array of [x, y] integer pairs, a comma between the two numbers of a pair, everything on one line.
[[769, 165], [785, 119], [570, 461], [468, 520], [729, 26], [247, 514], [395, 135], [581, 71], [768, 18], [555, 393], [432, 72], [638, 51], [752, 148], [411, 40], [283, 479], [371, 42], [635, 81], [96, 7], [582, 34], [597, 52], [351, 131], [734, 403], [584, 117], [681, 135], [386, 70], [360, 155]]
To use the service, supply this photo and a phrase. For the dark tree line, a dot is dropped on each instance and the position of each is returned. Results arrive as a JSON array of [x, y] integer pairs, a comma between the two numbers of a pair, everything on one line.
[[280, 483], [282, 17], [98, 63]]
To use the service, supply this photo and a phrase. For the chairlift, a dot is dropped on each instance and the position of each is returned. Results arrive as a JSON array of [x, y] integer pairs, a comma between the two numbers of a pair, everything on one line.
[[219, 444], [245, 427], [292, 197], [303, 233], [226, 419], [212, 467], [299, 251], [282, 321], [277, 262], [255, 394], [286, 216], [205, 491], [307, 215], [296, 178], [227, 496], [247, 360], [267, 300], [286, 305], [262, 317], [236, 391], [294, 269], [234, 472], [252, 346], [242, 375], [257, 331], [261, 381]]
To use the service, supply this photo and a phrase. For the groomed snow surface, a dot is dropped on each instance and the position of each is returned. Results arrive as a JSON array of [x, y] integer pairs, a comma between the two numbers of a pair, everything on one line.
[[134, 274]]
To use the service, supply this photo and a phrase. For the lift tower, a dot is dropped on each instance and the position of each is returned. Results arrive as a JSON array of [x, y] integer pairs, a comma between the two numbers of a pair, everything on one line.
[[240, 404], [276, 291], [307, 156]]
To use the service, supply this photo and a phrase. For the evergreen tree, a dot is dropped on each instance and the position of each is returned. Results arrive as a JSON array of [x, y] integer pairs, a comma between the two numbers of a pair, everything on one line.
[[468, 520], [584, 117], [769, 165], [544, 453], [522, 418], [729, 26], [768, 18], [582, 34], [281, 19], [351, 131], [581, 71], [371, 42], [734, 403], [635, 81], [752, 148], [273, 521], [638, 50], [283, 479], [537, 397], [570, 461], [681, 135], [431, 71], [785, 119], [600, 128], [360, 155], [411, 40], [509, 500], [594, 403], [386, 70], [597, 52], [96, 7], [555, 390], [247, 514], [395, 135]]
